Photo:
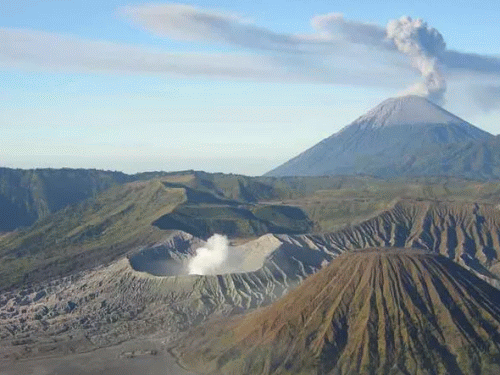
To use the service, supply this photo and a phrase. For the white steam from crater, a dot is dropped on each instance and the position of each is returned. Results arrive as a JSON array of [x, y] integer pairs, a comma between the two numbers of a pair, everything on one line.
[[211, 258]]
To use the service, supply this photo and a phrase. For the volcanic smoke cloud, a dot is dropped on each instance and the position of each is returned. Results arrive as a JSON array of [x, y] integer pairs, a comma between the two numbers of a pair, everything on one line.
[[211, 258], [339, 51], [424, 45]]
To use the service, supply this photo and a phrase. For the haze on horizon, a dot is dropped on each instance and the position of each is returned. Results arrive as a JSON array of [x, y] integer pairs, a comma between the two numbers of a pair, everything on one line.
[[226, 87]]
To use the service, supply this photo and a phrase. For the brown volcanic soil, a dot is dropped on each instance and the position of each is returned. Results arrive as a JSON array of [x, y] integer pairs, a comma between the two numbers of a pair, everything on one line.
[[374, 311]]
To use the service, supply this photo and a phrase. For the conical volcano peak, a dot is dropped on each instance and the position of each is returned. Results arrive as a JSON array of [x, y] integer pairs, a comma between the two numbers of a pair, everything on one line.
[[373, 311], [400, 136], [408, 110]]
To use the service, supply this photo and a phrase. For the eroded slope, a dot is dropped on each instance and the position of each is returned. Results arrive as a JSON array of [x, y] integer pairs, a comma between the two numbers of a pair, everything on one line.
[[468, 233], [369, 312]]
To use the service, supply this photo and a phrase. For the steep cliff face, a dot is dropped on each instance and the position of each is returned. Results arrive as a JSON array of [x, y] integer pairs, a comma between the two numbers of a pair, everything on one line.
[[374, 311]]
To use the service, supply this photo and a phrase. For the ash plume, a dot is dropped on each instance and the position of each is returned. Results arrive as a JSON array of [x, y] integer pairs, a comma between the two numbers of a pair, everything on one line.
[[211, 258], [338, 51], [424, 45]]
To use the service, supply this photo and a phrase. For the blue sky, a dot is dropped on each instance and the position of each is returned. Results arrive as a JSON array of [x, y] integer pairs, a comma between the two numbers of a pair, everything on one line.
[[226, 86]]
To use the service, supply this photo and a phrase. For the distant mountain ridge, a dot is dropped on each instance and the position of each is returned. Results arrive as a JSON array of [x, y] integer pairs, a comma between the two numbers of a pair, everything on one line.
[[30, 194], [388, 141]]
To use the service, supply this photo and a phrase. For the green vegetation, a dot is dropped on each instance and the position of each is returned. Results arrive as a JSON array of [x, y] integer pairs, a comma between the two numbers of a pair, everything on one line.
[[125, 217], [330, 201], [91, 233], [444, 215], [117, 218], [241, 221], [28, 195], [348, 201]]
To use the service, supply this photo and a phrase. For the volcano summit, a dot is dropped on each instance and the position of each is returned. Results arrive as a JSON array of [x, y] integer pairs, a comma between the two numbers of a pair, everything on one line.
[[401, 136], [375, 311]]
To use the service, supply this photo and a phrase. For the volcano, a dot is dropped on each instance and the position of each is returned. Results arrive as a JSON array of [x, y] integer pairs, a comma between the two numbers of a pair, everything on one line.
[[394, 138], [375, 311]]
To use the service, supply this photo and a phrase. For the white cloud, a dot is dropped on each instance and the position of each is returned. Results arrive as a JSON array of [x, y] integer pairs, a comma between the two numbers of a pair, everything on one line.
[[36, 50], [184, 22], [335, 36], [334, 26], [340, 51]]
